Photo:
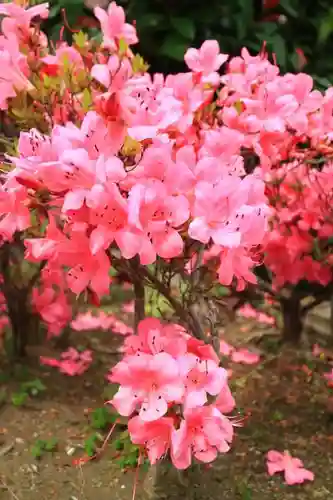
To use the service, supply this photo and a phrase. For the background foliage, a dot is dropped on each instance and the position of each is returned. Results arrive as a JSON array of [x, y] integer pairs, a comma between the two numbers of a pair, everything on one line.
[[167, 29]]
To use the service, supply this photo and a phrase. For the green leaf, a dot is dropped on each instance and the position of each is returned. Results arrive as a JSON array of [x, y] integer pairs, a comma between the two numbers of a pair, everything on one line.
[[80, 39], [100, 418], [90, 445], [326, 28], [51, 444], [54, 11], [285, 4], [119, 445], [123, 47], [279, 48], [324, 83], [222, 291], [37, 451], [316, 250], [277, 416], [33, 387], [150, 21], [174, 47], [19, 398], [86, 100], [184, 26]]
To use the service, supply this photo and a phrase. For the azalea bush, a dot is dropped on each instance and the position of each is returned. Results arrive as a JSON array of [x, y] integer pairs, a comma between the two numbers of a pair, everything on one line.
[[298, 250], [117, 170]]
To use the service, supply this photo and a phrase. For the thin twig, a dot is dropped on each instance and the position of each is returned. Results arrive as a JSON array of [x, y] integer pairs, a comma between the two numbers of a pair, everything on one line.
[[9, 489]]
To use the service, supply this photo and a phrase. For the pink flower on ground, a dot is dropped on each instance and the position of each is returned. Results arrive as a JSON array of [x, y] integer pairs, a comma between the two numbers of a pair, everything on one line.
[[156, 436], [120, 327], [128, 307], [245, 356], [294, 472], [329, 376], [72, 362], [146, 382], [87, 321], [248, 311], [225, 348], [317, 350]]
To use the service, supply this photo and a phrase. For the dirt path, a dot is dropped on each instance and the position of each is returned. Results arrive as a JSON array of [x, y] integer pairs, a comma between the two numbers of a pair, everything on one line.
[[288, 410]]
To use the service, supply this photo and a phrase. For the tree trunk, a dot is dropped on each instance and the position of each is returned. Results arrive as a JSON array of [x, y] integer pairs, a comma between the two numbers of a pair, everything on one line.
[[292, 319], [25, 325], [330, 340], [164, 482]]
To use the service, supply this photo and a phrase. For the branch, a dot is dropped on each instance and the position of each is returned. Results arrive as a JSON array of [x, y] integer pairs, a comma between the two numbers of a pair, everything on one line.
[[267, 288], [188, 317], [36, 275], [321, 297], [139, 292]]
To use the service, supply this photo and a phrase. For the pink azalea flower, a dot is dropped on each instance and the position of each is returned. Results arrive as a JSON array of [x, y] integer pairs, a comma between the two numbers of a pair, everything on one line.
[[294, 472], [203, 432], [114, 27], [225, 402], [109, 215], [202, 351], [156, 436], [92, 272], [18, 19], [157, 216], [148, 383], [53, 308], [207, 59], [14, 70], [201, 377], [64, 55], [153, 337], [14, 213]]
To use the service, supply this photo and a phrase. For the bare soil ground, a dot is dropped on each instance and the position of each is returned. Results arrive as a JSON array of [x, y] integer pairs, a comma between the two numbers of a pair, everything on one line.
[[285, 397]]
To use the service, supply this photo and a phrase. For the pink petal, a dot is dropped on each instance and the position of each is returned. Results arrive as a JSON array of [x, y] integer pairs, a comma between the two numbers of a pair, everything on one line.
[[124, 401], [153, 408]]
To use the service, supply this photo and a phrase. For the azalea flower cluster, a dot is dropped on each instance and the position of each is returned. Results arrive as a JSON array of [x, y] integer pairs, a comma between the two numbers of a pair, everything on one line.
[[298, 245], [166, 379], [17, 35], [146, 173]]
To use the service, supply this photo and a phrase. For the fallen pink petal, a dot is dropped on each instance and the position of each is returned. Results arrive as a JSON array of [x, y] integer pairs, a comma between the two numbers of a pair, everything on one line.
[[292, 468]]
